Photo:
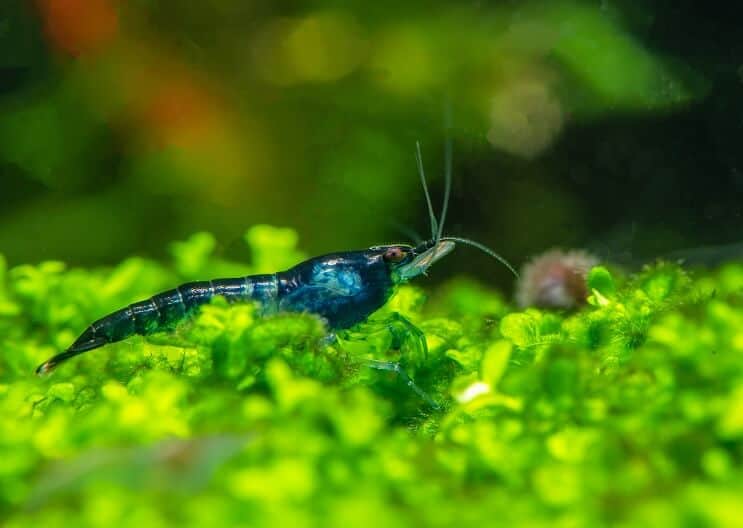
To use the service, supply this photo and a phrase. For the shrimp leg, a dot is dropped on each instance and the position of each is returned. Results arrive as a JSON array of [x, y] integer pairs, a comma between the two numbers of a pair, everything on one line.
[[394, 366], [402, 332]]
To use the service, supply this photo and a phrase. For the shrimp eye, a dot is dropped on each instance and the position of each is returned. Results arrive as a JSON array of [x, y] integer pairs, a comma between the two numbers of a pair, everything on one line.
[[394, 254]]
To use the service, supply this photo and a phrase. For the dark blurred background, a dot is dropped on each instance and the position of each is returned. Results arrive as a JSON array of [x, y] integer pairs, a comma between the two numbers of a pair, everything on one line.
[[610, 125]]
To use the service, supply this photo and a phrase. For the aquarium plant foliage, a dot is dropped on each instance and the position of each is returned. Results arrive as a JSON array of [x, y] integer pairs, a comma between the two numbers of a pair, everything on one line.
[[627, 412]]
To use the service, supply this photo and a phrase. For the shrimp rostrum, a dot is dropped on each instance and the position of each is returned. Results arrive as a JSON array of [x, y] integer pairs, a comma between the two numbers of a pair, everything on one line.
[[342, 288]]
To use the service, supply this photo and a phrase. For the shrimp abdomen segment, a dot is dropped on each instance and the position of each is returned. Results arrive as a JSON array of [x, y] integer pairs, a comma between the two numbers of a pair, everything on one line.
[[166, 309]]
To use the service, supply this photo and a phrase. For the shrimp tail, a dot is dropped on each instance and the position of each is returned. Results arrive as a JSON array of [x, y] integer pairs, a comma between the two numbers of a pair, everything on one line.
[[77, 348]]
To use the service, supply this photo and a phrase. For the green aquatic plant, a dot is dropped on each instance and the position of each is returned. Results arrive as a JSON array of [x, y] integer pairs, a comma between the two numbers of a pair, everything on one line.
[[626, 412]]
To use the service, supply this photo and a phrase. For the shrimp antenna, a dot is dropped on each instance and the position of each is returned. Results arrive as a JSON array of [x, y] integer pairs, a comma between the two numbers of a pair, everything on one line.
[[419, 160], [447, 167], [447, 186], [484, 249]]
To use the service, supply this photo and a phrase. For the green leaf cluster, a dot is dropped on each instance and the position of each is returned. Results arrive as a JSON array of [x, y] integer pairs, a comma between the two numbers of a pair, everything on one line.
[[628, 412]]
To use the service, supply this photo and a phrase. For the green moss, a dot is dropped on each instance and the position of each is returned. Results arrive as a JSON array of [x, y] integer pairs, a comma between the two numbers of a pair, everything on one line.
[[628, 412]]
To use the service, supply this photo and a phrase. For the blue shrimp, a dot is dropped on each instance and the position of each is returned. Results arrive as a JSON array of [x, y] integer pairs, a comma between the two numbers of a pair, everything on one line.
[[342, 288]]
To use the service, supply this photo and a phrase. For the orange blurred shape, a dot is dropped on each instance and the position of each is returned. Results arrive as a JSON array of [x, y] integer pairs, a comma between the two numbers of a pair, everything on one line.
[[79, 26], [181, 112]]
